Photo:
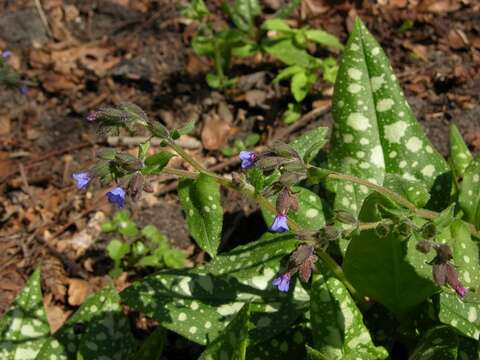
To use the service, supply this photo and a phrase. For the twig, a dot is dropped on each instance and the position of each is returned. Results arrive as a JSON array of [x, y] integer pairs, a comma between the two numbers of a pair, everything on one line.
[[41, 13]]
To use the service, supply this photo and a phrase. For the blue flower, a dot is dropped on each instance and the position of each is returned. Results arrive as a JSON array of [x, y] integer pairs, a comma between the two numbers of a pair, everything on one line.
[[23, 89], [82, 179], [248, 159], [282, 282], [279, 224], [117, 196], [6, 54], [91, 117]]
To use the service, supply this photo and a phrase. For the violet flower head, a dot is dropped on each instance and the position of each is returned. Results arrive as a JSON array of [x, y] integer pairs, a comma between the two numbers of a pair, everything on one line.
[[282, 282], [91, 117], [82, 179], [454, 282], [6, 54], [117, 196], [248, 158], [23, 89], [279, 224]]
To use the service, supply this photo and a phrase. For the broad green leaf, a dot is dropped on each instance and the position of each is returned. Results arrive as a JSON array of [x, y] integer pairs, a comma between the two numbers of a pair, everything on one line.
[[288, 72], [460, 156], [154, 164], [337, 324], [413, 190], [97, 329], [24, 327], [152, 346], [285, 346], [375, 130], [462, 314], [276, 24], [469, 197], [309, 214], [284, 50], [232, 343], [440, 343], [243, 13], [203, 45], [200, 199], [196, 10], [399, 278], [468, 349], [199, 303], [323, 38], [310, 143]]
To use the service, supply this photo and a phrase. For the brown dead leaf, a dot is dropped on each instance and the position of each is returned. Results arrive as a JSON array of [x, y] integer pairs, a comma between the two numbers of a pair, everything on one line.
[[215, 132], [56, 315], [439, 6], [78, 290], [54, 82], [5, 124], [457, 39]]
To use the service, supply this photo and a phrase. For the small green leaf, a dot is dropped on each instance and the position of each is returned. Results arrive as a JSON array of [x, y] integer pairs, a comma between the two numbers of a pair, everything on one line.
[[117, 249], [252, 140], [324, 38], [300, 86], [284, 50], [232, 344], [460, 156], [310, 143], [469, 197], [375, 130], [309, 214], [243, 13], [293, 113], [400, 277], [174, 259], [155, 163], [153, 234], [24, 328], [200, 200], [108, 226], [196, 10], [203, 45], [127, 228], [440, 343], [276, 25], [256, 178], [143, 149], [288, 72], [337, 324]]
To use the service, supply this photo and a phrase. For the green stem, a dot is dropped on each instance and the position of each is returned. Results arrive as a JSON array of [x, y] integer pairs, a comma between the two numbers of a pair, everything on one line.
[[263, 202]]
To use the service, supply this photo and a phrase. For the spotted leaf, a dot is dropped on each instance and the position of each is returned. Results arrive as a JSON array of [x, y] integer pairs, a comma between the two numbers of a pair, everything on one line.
[[309, 214], [464, 314], [375, 130], [310, 143], [199, 303], [285, 346], [24, 328], [200, 200], [232, 343], [400, 277], [95, 326], [337, 324], [460, 156], [440, 342], [469, 197], [413, 190]]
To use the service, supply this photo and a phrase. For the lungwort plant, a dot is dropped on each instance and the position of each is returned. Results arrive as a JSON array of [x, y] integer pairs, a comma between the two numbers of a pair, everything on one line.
[[385, 260]]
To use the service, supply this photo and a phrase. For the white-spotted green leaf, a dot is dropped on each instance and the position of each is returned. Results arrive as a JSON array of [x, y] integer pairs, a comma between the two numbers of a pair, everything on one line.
[[460, 155], [285, 346], [95, 325], [464, 315], [24, 328], [413, 190], [199, 303], [310, 143], [469, 197], [440, 343], [375, 130], [232, 344], [152, 347], [337, 324], [200, 199], [313, 354], [399, 277], [309, 214]]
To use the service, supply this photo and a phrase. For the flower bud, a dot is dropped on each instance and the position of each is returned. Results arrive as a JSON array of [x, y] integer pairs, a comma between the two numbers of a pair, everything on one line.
[[128, 162], [135, 186], [428, 230], [269, 163], [424, 246], [404, 228], [383, 230], [284, 150]]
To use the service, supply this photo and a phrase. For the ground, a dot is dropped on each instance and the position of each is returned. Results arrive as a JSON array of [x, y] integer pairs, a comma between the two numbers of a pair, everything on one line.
[[92, 53]]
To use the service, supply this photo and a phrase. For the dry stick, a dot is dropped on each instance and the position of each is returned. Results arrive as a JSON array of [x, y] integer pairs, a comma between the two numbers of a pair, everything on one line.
[[41, 13]]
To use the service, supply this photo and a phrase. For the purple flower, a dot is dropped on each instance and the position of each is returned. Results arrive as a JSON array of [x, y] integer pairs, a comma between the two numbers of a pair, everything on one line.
[[91, 117], [82, 179], [248, 159], [279, 224], [117, 196], [454, 281], [23, 89], [282, 282], [6, 54]]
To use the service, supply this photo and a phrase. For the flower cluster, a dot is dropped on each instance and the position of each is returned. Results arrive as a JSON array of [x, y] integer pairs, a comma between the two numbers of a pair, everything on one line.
[[115, 196], [302, 261]]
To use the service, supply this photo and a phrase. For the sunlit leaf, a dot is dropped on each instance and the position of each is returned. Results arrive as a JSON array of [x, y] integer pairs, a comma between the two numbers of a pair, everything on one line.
[[440, 343], [469, 197], [460, 156]]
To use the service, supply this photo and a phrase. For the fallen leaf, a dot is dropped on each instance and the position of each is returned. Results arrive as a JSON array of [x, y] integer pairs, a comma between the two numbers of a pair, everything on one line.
[[215, 132], [78, 290]]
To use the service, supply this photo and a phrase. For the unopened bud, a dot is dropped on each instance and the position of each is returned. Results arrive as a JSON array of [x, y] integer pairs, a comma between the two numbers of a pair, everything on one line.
[[128, 162], [284, 150], [269, 163], [404, 228], [428, 230], [424, 246], [135, 187], [383, 230]]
